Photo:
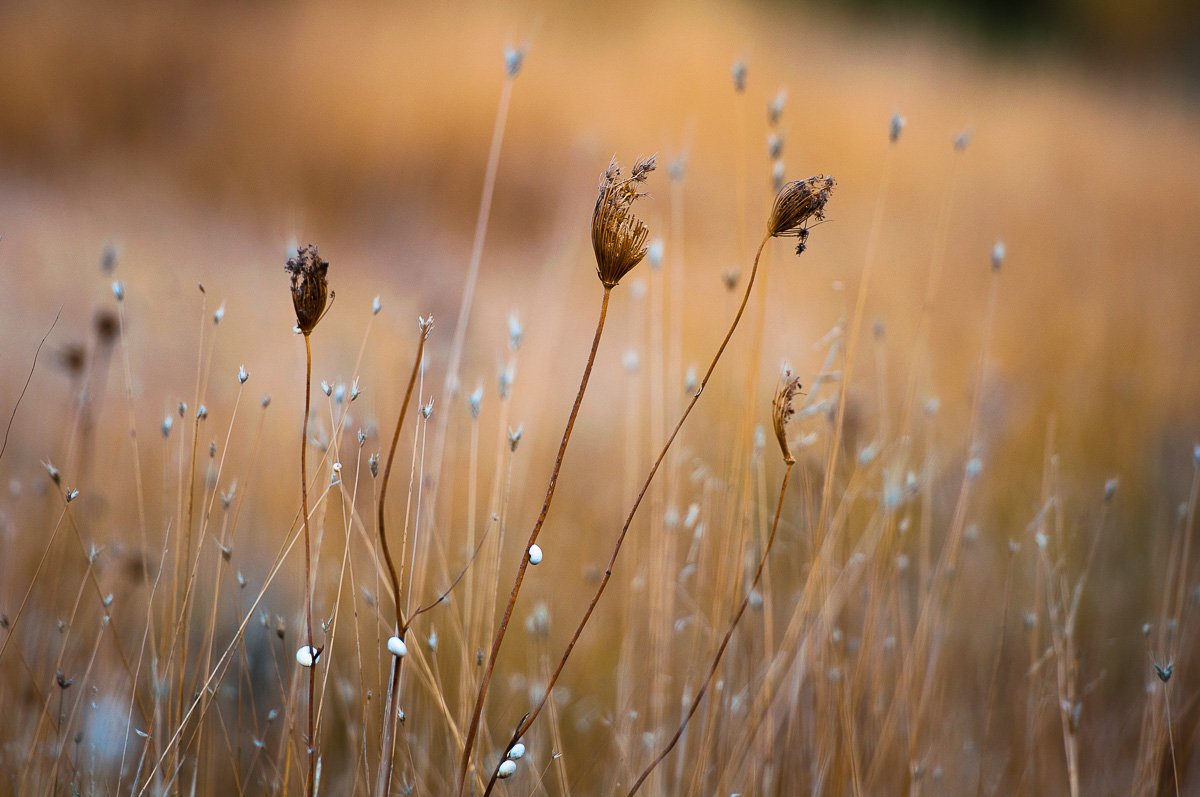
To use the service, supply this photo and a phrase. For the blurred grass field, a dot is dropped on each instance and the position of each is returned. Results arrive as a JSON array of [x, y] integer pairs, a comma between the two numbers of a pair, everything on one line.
[[199, 143]]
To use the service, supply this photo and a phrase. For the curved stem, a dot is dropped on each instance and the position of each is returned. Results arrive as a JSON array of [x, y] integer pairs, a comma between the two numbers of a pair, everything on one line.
[[498, 640], [383, 784], [308, 628], [532, 716], [712, 670]]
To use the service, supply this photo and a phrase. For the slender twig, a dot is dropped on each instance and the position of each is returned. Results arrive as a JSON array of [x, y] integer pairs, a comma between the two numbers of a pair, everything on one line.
[[384, 779], [28, 379], [716, 662], [498, 639]]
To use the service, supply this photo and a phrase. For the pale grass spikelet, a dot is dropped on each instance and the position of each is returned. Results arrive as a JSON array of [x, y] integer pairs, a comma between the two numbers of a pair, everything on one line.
[[514, 58], [782, 411], [775, 107], [516, 331], [796, 205], [619, 237], [738, 73]]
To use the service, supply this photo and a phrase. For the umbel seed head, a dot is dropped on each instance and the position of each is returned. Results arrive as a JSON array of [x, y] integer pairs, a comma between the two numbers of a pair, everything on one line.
[[782, 411], [619, 237], [798, 203], [310, 290]]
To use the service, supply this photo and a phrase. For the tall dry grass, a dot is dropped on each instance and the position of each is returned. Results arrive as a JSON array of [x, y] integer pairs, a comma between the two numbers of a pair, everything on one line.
[[981, 576]]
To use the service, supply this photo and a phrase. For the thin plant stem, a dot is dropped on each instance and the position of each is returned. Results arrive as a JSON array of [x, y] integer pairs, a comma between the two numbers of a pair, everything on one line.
[[528, 720], [308, 630], [1171, 735], [716, 662], [498, 639], [384, 779]]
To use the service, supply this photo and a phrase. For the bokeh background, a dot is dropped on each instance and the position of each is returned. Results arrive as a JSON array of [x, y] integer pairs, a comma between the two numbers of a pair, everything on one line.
[[195, 142]]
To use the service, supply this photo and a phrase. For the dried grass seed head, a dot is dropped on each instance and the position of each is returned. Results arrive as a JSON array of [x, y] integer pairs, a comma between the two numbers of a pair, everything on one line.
[[782, 411], [619, 237], [796, 205], [310, 289]]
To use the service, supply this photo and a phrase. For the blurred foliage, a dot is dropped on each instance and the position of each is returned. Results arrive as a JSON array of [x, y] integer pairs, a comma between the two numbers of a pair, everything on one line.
[[1154, 33]]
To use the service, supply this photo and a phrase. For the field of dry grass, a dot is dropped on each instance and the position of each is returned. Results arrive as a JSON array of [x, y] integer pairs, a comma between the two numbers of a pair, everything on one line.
[[983, 550]]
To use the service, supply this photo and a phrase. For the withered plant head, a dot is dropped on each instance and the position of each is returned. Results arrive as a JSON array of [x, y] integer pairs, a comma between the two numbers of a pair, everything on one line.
[[782, 411], [310, 290], [798, 203], [619, 237]]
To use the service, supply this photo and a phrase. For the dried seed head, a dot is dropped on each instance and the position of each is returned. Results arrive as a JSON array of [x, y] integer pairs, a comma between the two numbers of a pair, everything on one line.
[[310, 290], [798, 203], [619, 237], [781, 411]]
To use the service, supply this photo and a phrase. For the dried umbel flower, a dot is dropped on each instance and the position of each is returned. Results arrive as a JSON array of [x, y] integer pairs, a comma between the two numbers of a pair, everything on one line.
[[310, 290], [798, 203], [782, 411], [619, 237]]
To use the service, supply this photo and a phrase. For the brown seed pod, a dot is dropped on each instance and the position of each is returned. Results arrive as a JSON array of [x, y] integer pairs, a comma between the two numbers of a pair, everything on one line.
[[310, 290], [619, 237], [798, 203], [782, 411]]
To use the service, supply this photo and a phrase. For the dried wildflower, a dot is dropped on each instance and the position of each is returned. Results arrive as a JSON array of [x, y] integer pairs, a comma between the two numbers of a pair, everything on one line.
[[310, 290], [798, 203], [782, 411], [619, 237]]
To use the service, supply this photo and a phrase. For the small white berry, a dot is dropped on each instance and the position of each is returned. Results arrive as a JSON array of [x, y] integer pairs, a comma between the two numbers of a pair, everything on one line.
[[507, 769], [535, 554], [397, 648]]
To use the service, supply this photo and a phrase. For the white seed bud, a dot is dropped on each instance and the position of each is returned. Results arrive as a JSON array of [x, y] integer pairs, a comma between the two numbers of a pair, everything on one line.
[[517, 752], [307, 656], [535, 554], [507, 769], [396, 647]]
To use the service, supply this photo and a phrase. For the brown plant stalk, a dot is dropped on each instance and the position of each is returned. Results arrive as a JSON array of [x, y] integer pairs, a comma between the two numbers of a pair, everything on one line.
[[618, 241], [797, 204], [384, 780], [310, 293]]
